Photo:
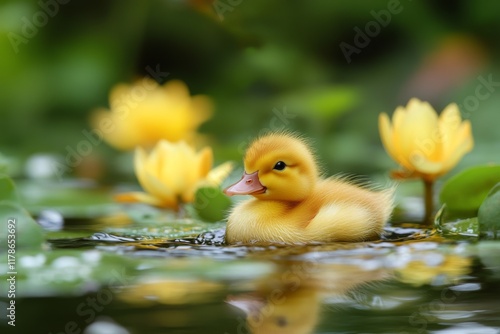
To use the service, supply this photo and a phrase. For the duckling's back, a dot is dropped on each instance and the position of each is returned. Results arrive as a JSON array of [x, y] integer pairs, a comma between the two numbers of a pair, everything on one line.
[[349, 212]]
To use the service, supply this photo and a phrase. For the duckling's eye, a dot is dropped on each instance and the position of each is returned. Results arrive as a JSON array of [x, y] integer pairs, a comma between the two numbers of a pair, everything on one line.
[[281, 321], [280, 165]]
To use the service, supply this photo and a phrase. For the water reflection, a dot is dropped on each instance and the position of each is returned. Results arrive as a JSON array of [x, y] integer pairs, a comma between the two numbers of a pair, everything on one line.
[[283, 310], [190, 286], [171, 292], [292, 299]]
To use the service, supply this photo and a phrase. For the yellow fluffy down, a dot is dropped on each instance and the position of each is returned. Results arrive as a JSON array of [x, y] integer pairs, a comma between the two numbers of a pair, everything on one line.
[[299, 206]]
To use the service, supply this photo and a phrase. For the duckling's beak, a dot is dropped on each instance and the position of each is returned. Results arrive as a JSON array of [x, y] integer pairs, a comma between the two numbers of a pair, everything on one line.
[[248, 303], [248, 185]]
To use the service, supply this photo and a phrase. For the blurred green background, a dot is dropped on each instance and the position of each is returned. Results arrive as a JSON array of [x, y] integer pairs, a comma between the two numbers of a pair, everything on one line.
[[257, 60]]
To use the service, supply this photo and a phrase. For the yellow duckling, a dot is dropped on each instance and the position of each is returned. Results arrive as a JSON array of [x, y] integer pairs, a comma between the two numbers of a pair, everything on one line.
[[292, 204]]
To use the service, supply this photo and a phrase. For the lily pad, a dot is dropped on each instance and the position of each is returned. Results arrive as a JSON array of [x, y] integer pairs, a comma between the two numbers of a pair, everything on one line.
[[467, 190], [211, 204], [168, 230], [8, 189], [19, 229], [453, 227], [489, 214]]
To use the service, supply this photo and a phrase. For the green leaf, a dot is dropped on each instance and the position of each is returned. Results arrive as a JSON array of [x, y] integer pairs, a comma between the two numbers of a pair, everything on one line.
[[211, 204], [7, 189], [489, 214], [488, 251], [453, 227], [16, 221], [467, 190]]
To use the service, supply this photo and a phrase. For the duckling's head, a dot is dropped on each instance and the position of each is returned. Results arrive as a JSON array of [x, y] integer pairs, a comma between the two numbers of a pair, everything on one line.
[[278, 166]]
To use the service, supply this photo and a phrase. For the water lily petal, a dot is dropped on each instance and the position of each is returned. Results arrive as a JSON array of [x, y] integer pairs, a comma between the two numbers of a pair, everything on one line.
[[449, 122], [147, 168], [463, 144], [144, 113], [465, 135], [414, 105], [205, 158], [397, 121], [174, 167], [213, 179], [424, 166], [398, 117], [161, 191], [390, 136], [140, 162], [424, 144], [386, 134], [202, 107], [176, 90], [116, 133], [155, 160], [190, 165], [118, 94], [219, 174], [399, 154], [172, 172], [420, 133]]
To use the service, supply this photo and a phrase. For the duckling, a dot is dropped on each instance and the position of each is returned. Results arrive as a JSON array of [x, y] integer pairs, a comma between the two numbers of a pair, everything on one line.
[[293, 204]]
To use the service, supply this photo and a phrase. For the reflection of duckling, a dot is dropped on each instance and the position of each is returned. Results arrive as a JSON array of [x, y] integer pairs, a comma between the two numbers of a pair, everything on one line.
[[293, 204], [289, 300], [281, 312]]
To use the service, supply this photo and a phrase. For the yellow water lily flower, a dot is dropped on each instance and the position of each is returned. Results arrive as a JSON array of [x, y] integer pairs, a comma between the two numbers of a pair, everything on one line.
[[424, 144], [171, 174], [145, 112]]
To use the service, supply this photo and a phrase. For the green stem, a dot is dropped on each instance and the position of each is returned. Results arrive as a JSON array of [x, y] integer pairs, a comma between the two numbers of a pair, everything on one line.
[[180, 213], [429, 201]]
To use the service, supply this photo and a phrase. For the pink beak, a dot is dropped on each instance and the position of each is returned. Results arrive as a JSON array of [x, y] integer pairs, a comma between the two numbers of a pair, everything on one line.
[[248, 185], [248, 303]]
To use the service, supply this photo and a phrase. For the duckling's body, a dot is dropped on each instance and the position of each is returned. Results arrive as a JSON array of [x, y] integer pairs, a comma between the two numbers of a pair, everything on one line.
[[293, 204], [335, 211]]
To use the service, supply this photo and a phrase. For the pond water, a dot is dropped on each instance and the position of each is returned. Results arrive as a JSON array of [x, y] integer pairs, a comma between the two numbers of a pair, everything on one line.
[[95, 279]]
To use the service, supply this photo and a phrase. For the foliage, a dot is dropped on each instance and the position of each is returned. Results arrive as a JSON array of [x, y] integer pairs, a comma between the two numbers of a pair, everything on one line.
[[18, 227], [465, 191], [489, 214]]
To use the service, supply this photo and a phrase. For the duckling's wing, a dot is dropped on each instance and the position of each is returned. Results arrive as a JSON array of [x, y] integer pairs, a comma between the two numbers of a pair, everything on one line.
[[343, 222]]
